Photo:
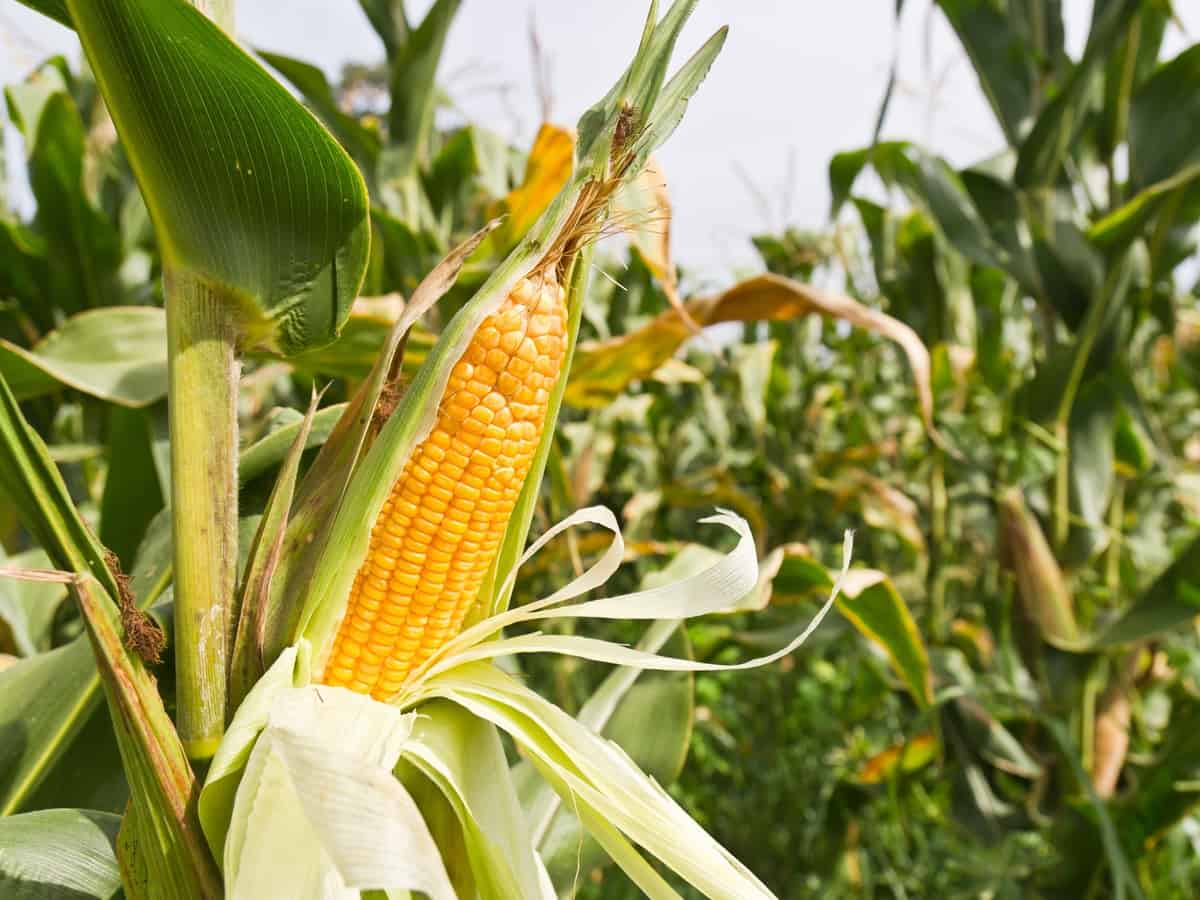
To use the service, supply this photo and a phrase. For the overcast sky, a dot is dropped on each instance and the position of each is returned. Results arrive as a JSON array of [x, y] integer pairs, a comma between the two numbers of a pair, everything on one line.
[[798, 81]]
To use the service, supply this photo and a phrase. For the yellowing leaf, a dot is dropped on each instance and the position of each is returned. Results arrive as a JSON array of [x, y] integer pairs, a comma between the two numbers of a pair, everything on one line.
[[547, 169], [872, 603], [601, 370], [907, 757], [643, 208]]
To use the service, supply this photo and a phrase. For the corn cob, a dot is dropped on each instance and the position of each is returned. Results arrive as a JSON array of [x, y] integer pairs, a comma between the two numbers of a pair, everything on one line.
[[439, 531]]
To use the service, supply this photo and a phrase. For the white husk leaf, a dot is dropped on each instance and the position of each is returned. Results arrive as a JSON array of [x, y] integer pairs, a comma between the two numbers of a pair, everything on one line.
[[319, 814], [318, 811]]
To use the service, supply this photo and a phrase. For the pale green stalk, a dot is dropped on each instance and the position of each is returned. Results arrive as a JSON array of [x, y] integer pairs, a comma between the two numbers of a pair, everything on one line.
[[202, 404], [203, 380]]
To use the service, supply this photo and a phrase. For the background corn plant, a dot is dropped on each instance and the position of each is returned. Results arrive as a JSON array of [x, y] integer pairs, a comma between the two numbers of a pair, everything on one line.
[[1011, 713]]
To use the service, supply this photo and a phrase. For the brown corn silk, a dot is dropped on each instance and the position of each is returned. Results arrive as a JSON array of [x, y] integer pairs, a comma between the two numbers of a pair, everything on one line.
[[440, 529]]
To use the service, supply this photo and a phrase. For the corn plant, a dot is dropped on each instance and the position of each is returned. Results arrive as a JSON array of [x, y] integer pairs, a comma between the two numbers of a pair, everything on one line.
[[333, 726]]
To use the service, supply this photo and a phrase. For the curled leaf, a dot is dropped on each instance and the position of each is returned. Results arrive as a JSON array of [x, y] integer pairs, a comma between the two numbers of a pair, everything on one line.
[[604, 369]]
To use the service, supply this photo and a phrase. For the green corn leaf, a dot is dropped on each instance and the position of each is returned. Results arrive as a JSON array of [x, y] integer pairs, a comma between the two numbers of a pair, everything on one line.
[[414, 66], [389, 20], [1168, 103], [873, 605], [23, 275], [27, 608], [1125, 223], [30, 480], [88, 773], [269, 451], [1041, 154], [413, 69], [59, 854], [166, 855], [44, 702], [247, 190], [1171, 600], [993, 40], [132, 492], [45, 699], [118, 354], [929, 181], [361, 142], [78, 237]]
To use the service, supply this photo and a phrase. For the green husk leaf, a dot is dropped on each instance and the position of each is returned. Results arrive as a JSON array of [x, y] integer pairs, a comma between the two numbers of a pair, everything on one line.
[[246, 663], [320, 494]]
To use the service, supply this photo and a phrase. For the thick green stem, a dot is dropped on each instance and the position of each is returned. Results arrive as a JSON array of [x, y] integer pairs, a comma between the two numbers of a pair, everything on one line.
[[202, 404]]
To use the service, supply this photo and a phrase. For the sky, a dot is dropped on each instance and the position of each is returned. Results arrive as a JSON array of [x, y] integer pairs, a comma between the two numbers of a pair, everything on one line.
[[798, 81]]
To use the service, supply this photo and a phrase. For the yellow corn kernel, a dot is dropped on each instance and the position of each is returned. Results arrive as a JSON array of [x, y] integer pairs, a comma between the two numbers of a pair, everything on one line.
[[436, 536]]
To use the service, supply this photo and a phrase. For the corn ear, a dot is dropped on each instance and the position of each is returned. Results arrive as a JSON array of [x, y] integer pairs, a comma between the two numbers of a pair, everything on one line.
[[616, 137], [1043, 590]]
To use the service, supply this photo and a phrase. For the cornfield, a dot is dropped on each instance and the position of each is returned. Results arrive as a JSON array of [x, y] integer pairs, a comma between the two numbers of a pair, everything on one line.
[[383, 513]]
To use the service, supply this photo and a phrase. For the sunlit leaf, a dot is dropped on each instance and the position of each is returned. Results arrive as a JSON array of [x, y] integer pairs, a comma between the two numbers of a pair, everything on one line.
[[547, 168], [117, 354]]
